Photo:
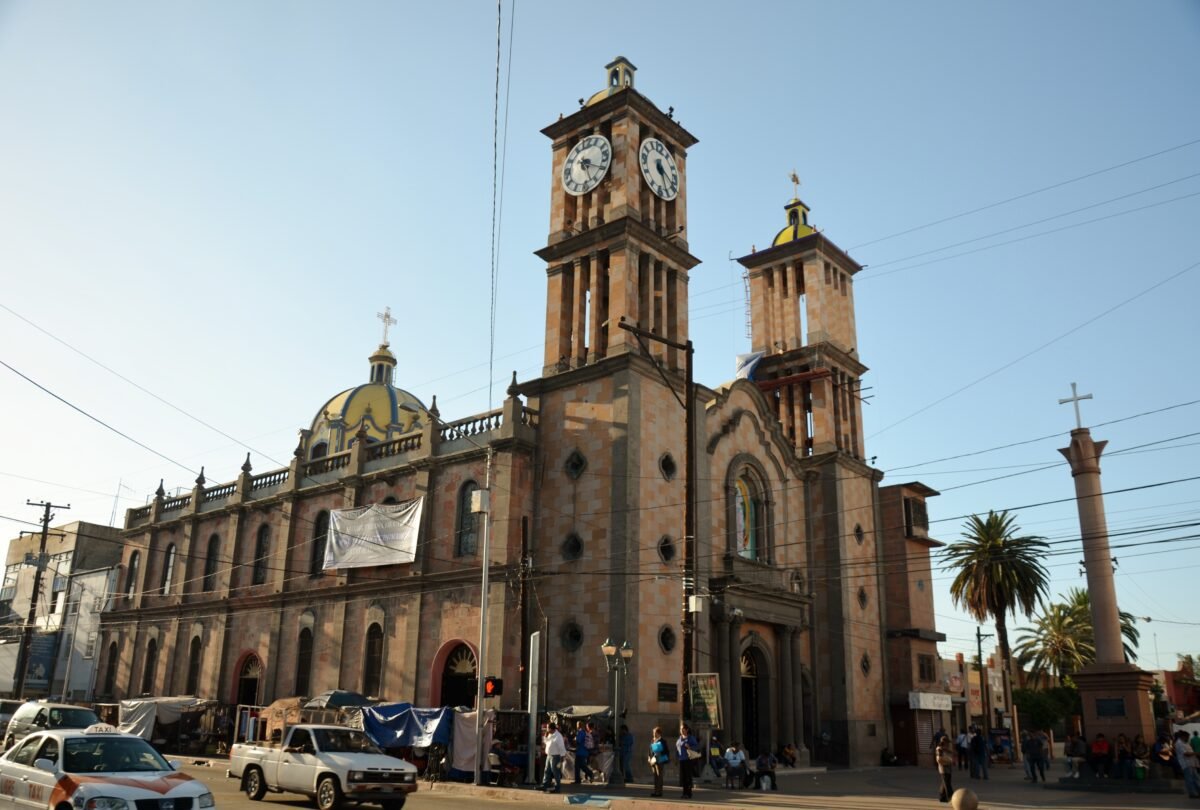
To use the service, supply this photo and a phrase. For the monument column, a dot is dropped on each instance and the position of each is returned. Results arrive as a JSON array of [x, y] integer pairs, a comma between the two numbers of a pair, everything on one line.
[[788, 693], [1114, 693]]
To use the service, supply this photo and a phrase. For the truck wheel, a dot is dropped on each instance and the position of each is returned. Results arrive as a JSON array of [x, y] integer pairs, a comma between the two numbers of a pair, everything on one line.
[[254, 784], [329, 793], [394, 804]]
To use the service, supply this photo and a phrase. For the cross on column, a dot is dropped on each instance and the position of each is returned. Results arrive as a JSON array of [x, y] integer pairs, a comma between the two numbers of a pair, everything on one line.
[[388, 320], [795, 178], [1075, 397]]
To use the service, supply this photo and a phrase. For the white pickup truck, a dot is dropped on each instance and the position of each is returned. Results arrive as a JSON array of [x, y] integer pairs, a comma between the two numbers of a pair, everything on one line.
[[331, 764]]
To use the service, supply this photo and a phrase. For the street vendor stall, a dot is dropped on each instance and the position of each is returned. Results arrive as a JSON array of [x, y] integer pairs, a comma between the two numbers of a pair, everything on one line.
[[172, 724]]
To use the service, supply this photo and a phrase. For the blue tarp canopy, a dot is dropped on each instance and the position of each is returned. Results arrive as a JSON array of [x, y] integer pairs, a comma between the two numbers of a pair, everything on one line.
[[399, 725]]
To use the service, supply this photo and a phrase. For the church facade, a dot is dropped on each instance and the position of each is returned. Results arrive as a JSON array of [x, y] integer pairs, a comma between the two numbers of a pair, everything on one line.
[[778, 590]]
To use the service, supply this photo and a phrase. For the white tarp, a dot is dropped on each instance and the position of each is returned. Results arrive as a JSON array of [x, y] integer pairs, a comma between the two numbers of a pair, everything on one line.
[[381, 534], [138, 716], [463, 752]]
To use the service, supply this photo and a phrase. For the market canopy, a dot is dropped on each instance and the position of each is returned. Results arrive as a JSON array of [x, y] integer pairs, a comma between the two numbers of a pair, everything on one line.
[[575, 712], [400, 725], [138, 716]]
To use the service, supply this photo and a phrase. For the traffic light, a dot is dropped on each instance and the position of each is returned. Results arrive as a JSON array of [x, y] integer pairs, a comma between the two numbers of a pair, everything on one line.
[[493, 687]]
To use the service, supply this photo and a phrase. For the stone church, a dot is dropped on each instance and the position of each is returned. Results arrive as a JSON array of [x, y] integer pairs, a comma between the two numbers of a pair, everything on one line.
[[777, 590]]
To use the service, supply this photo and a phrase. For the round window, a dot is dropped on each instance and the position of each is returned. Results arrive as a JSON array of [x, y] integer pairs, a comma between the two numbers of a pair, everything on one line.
[[865, 664], [572, 547], [667, 466], [666, 639], [862, 598], [572, 636], [575, 464], [859, 535], [666, 549]]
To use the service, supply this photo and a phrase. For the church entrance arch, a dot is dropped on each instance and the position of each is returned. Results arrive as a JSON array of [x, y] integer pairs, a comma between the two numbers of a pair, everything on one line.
[[756, 702], [457, 679], [249, 676]]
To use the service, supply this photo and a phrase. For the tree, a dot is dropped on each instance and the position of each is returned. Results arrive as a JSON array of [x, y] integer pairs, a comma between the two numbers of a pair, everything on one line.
[[1056, 645], [1080, 602], [998, 573]]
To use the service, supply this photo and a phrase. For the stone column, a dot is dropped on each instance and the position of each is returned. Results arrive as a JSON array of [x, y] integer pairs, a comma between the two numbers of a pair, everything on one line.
[[735, 678], [1114, 694], [798, 705], [1084, 457], [722, 634], [787, 684]]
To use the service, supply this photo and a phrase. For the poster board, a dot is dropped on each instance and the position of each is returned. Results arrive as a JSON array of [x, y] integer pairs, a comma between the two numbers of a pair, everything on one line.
[[704, 691]]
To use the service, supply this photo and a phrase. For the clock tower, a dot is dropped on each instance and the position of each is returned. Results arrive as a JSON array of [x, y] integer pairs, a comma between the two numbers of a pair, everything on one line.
[[618, 227]]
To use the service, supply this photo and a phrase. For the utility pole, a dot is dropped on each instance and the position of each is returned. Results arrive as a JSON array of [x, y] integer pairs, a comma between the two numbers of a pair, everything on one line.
[[39, 565], [689, 496], [984, 692]]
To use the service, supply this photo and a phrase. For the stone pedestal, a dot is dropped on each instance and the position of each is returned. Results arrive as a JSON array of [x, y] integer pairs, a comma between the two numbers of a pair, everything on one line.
[[1116, 700]]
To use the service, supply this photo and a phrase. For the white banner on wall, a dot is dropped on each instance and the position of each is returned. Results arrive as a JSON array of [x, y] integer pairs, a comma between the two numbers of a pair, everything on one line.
[[381, 534]]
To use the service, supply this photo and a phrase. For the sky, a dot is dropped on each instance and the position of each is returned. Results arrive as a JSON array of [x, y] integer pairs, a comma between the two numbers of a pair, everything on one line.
[[203, 205]]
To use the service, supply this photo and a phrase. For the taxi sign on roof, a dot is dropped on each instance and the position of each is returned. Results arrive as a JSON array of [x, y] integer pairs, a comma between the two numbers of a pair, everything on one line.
[[100, 728]]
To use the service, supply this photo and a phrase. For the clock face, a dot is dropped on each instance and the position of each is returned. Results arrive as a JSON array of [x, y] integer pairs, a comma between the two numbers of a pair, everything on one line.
[[586, 165], [659, 169]]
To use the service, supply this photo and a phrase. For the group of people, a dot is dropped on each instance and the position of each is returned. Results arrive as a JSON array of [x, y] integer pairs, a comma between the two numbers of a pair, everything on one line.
[[971, 750], [1124, 759], [685, 751]]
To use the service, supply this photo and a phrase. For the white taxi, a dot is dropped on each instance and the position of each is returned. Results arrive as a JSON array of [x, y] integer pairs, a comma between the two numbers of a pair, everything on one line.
[[97, 768]]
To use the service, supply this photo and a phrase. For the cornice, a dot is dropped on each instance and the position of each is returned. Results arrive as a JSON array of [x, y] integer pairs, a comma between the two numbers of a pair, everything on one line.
[[613, 236]]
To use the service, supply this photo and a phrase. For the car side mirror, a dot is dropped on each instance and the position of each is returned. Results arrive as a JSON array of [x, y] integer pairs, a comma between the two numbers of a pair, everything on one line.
[[43, 764], [293, 749]]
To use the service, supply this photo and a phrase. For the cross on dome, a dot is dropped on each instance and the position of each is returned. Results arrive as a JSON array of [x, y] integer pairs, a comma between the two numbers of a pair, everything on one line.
[[388, 320], [795, 178]]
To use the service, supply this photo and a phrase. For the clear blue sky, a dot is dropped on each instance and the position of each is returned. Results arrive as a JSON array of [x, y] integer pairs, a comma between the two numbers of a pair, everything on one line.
[[214, 199]]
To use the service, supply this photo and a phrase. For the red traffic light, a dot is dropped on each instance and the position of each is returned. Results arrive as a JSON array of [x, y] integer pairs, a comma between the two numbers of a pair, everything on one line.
[[493, 687]]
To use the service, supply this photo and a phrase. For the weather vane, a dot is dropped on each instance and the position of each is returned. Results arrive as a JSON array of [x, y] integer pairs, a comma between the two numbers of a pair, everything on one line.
[[795, 178], [388, 320]]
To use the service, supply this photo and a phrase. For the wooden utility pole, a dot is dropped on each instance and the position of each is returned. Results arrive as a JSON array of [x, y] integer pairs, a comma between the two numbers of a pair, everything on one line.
[[39, 566]]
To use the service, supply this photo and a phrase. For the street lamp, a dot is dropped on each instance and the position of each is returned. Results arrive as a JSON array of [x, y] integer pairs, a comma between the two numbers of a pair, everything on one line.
[[616, 661]]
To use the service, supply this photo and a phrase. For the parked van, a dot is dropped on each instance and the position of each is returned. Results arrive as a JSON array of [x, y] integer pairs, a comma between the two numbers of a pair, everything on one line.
[[7, 707], [37, 715]]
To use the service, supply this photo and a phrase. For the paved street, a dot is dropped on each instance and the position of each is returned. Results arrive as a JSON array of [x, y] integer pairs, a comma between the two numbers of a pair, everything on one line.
[[870, 789]]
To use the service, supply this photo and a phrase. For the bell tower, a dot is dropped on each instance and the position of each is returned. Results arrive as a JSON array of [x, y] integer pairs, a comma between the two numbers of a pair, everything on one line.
[[802, 323], [617, 246]]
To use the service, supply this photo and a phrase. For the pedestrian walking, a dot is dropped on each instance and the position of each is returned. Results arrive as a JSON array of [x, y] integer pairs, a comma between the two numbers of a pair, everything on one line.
[[1035, 754], [658, 759], [945, 766], [584, 743], [979, 755], [688, 748], [960, 748], [556, 750]]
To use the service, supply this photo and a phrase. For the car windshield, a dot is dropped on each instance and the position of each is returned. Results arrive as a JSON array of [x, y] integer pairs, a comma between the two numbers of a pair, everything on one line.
[[345, 740], [111, 754], [72, 718]]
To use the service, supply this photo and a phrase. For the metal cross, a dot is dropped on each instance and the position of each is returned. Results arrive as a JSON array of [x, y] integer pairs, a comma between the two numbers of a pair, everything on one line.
[[795, 178], [388, 320], [1075, 397]]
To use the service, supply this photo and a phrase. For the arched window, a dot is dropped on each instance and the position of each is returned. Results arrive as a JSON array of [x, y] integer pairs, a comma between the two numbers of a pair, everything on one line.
[[168, 570], [749, 517], [304, 650], [110, 671], [466, 538], [193, 676], [149, 667], [210, 563], [373, 661], [135, 560], [262, 548], [316, 566], [319, 450]]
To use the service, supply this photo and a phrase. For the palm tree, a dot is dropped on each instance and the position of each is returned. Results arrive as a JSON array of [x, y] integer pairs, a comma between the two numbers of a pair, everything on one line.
[[999, 573], [1080, 602], [1056, 644]]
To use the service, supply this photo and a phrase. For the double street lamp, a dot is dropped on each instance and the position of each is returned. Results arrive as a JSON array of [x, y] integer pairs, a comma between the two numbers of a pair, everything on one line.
[[616, 661]]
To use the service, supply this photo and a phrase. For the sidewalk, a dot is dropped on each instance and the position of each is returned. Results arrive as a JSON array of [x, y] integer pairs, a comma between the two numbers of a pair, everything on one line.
[[813, 788]]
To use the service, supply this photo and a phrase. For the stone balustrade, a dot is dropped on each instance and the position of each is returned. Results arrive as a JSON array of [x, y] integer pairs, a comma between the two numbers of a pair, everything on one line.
[[271, 479], [175, 504], [472, 426], [395, 447], [220, 493]]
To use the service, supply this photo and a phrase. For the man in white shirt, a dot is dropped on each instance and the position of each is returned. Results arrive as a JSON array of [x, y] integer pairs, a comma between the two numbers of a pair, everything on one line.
[[960, 748], [735, 766], [556, 749]]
